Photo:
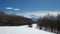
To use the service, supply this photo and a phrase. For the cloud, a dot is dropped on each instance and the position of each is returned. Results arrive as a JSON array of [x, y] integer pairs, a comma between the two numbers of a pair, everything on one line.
[[34, 14], [16, 9], [9, 8], [40, 13]]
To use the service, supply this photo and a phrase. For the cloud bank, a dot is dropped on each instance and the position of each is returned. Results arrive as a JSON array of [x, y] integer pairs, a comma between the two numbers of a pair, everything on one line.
[[40, 13]]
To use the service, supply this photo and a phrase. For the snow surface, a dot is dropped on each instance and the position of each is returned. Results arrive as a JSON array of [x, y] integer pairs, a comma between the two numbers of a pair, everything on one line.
[[22, 30]]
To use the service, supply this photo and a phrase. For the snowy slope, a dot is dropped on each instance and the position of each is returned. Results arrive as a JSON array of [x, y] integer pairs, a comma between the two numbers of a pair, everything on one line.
[[21, 30]]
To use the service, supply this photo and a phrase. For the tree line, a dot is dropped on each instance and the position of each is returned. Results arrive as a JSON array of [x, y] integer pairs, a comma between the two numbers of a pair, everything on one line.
[[50, 23], [13, 20]]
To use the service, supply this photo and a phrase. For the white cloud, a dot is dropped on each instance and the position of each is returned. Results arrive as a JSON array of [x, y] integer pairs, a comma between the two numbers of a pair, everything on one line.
[[40, 13], [16, 9], [34, 14], [9, 8]]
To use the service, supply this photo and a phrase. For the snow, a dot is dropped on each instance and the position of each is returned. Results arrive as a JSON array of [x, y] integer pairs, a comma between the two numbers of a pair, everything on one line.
[[22, 30]]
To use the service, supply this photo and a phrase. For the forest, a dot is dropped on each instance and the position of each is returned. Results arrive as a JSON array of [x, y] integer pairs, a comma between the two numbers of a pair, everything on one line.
[[13, 20], [50, 23]]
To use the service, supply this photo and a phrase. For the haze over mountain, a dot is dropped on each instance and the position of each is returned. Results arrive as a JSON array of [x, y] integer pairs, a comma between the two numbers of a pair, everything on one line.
[[36, 15]]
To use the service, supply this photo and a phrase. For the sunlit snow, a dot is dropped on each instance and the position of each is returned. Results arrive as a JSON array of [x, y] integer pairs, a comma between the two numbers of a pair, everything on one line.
[[22, 30]]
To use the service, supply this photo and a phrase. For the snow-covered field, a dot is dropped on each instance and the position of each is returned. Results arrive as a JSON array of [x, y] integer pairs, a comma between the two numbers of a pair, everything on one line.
[[22, 30]]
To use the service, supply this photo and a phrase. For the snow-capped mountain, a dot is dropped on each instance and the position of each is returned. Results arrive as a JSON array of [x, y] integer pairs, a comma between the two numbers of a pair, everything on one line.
[[33, 17]]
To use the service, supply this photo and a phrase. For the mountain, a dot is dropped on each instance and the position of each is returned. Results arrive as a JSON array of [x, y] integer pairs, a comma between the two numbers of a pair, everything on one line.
[[33, 17]]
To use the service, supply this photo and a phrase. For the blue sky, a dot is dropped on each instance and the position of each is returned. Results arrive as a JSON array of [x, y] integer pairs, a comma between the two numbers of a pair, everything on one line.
[[23, 6]]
